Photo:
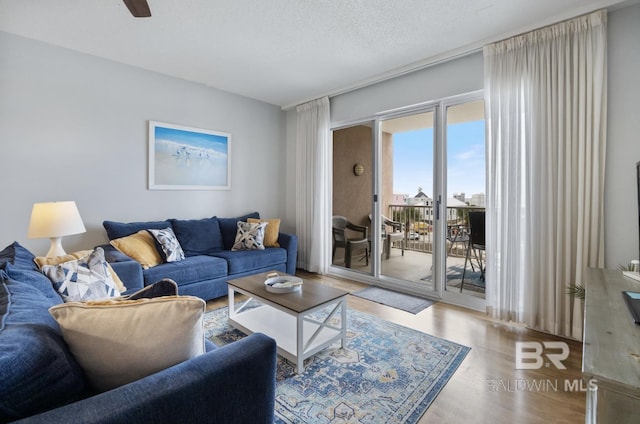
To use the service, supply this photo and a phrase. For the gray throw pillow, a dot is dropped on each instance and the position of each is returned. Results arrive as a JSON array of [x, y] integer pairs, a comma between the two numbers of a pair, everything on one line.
[[169, 243]]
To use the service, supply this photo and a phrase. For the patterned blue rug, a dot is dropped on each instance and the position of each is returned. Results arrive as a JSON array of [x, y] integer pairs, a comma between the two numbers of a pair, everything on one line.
[[387, 374]]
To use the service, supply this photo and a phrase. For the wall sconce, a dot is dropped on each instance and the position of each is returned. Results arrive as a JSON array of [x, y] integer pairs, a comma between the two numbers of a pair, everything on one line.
[[55, 220], [358, 169]]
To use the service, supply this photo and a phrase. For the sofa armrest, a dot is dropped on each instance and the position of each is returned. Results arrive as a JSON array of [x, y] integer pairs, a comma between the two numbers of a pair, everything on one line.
[[231, 384], [290, 243], [128, 270]]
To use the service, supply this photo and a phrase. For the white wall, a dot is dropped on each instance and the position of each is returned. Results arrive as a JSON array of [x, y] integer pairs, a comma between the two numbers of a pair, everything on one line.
[[74, 127], [623, 137], [455, 77]]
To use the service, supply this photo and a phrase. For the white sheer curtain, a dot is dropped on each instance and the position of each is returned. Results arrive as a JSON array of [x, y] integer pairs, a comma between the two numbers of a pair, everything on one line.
[[546, 99], [313, 185]]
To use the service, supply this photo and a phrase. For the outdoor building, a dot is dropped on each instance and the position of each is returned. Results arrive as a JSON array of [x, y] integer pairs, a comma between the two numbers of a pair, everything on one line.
[[420, 199], [399, 199], [478, 199], [460, 197]]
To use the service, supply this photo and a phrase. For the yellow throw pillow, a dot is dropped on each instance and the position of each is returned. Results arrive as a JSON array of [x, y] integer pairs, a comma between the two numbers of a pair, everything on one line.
[[271, 232], [57, 260], [120, 341], [140, 247]]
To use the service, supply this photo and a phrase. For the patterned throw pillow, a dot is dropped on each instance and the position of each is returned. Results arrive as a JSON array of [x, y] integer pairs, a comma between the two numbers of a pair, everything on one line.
[[271, 232], [249, 236], [87, 278], [169, 243], [57, 260]]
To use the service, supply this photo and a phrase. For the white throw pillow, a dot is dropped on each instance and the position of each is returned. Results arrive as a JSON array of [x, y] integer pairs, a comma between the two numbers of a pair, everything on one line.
[[87, 278], [249, 236], [41, 261], [120, 341]]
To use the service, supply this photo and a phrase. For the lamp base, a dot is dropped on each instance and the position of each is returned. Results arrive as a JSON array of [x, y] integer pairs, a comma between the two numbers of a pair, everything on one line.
[[56, 248]]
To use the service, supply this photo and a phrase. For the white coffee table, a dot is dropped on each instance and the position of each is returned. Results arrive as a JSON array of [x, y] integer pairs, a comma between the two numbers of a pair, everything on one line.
[[286, 317]]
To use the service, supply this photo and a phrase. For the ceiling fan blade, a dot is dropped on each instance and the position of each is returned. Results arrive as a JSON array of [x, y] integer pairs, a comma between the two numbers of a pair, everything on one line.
[[138, 8]]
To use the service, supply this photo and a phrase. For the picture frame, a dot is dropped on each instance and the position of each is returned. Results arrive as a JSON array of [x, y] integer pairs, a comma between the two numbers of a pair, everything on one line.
[[187, 158]]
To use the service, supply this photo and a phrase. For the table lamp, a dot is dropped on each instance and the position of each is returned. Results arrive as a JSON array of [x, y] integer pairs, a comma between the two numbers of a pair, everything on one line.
[[55, 220]]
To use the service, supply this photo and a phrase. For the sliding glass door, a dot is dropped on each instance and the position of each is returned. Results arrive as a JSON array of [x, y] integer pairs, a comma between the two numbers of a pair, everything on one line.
[[352, 197], [465, 187], [405, 187], [406, 199]]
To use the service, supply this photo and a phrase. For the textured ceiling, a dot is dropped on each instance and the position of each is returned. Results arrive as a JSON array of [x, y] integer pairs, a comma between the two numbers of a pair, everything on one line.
[[283, 52]]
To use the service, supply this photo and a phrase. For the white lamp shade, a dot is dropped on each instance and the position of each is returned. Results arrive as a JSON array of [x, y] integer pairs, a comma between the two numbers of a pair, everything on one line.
[[55, 219]]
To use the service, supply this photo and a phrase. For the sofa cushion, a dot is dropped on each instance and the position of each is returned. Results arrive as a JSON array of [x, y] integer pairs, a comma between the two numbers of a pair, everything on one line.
[[229, 227], [87, 278], [122, 229], [153, 334], [190, 270], [198, 236], [37, 370], [35, 279], [141, 247], [18, 256], [247, 260]]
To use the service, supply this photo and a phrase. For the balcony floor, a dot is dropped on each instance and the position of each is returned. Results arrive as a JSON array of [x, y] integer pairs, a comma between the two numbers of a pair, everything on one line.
[[415, 266]]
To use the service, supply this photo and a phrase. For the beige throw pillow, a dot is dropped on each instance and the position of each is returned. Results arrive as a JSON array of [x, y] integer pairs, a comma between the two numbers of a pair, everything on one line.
[[140, 247], [120, 341], [57, 260], [270, 232]]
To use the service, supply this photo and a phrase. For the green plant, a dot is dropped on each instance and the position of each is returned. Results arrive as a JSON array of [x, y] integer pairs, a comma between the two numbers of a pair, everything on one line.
[[576, 290]]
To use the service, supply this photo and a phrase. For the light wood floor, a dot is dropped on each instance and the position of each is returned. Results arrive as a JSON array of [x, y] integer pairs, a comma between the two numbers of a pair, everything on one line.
[[486, 388]]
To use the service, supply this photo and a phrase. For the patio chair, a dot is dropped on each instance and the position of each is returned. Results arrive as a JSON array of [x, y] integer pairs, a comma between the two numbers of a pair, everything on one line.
[[350, 245], [476, 243], [390, 237], [396, 234], [458, 234]]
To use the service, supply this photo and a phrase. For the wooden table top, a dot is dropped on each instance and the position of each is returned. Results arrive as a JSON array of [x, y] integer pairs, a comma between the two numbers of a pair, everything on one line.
[[309, 296], [611, 352]]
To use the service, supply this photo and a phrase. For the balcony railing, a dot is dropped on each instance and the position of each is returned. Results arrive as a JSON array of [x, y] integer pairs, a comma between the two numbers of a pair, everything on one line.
[[417, 222]]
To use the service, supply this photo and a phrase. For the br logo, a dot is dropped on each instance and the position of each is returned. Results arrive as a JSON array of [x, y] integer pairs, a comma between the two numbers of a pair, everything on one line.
[[529, 355]]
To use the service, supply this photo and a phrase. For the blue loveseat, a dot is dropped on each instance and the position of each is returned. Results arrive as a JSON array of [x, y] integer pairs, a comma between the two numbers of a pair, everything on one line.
[[41, 382], [209, 261]]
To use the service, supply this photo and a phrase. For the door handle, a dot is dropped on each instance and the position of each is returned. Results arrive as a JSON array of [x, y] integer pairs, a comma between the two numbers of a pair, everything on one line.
[[438, 203]]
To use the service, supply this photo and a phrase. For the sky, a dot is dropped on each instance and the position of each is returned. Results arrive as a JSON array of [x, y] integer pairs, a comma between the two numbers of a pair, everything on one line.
[[203, 140], [413, 160]]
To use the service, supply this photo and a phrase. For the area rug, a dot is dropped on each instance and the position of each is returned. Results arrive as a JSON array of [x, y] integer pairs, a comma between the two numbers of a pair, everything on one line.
[[387, 373], [472, 279], [394, 299]]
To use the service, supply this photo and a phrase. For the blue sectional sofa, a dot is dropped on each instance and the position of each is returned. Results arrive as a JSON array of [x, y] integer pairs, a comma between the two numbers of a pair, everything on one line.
[[209, 261], [41, 382]]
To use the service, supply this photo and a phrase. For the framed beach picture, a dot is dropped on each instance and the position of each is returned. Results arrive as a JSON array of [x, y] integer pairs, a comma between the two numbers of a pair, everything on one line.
[[184, 158]]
